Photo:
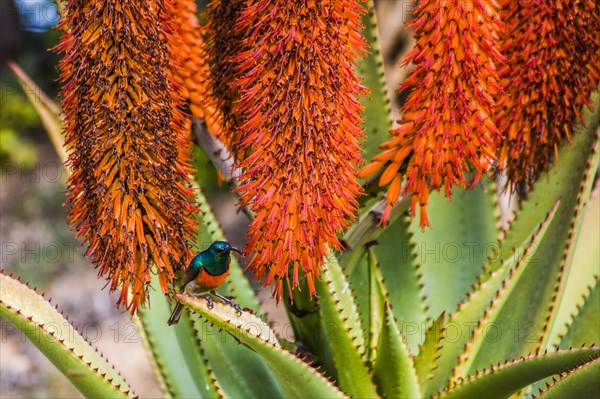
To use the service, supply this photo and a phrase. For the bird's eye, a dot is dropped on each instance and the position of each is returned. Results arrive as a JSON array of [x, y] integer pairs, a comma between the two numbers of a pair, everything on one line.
[[219, 249]]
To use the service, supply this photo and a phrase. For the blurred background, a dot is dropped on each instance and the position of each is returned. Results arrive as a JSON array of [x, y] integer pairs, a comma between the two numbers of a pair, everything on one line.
[[36, 242]]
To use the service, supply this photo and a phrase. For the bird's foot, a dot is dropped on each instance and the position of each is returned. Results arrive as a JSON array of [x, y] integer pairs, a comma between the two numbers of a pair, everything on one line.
[[209, 300], [228, 301]]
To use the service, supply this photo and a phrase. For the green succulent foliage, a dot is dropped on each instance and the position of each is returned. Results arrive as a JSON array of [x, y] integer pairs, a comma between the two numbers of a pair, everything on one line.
[[580, 383], [376, 102], [59, 340], [492, 383], [461, 310]]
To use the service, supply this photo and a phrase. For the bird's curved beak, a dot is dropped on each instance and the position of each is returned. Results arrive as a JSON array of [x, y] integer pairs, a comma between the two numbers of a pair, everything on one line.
[[236, 250]]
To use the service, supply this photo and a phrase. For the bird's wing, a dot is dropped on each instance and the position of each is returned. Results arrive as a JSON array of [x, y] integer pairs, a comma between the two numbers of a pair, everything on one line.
[[190, 275]]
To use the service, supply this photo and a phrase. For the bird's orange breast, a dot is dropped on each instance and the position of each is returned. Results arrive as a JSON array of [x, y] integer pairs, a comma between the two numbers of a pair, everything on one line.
[[208, 282]]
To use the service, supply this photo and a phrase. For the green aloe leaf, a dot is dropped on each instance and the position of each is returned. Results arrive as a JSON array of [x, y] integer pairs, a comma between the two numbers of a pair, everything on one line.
[[59, 341], [402, 275], [369, 304], [48, 111], [428, 351], [376, 308], [458, 330], [391, 361], [451, 253], [530, 313], [177, 356], [484, 333], [309, 329], [309, 335], [394, 371], [584, 269], [581, 383], [503, 380], [394, 250], [377, 113], [235, 366], [296, 378], [339, 317], [585, 327], [562, 181]]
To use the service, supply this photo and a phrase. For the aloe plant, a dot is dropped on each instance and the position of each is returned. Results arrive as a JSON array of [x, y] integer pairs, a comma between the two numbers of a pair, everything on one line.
[[465, 309]]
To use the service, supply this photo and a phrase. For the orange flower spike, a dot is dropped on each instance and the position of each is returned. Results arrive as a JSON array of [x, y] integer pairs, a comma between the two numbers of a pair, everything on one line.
[[447, 129], [298, 99], [194, 70], [128, 148], [223, 42], [553, 65]]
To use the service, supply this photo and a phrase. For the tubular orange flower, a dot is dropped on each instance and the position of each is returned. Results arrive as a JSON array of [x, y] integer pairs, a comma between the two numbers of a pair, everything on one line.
[[298, 100], [194, 69], [447, 128], [552, 66], [223, 43], [127, 191]]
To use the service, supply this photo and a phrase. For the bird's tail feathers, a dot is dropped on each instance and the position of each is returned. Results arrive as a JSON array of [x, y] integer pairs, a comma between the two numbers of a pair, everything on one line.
[[176, 315]]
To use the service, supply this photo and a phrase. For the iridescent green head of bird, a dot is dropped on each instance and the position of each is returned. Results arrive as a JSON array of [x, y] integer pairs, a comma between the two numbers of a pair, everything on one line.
[[221, 249]]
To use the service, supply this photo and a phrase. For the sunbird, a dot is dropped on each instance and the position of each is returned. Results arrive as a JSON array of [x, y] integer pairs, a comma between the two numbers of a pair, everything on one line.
[[205, 273]]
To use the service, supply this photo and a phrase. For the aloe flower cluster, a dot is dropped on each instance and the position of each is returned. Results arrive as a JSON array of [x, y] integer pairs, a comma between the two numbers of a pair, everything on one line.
[[447, 134], [552, 51], [194, 70], [298, 102], [128, 197], [223, 42]]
